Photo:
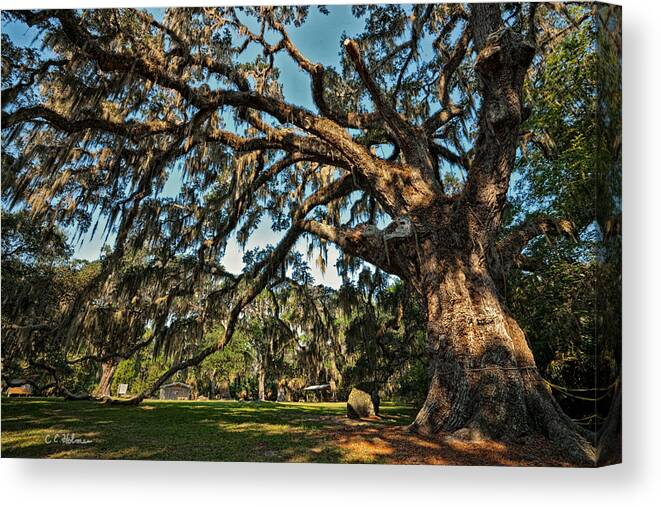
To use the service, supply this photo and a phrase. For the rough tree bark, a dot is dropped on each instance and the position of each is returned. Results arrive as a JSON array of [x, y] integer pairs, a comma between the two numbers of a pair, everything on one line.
[[609, 448], [484, 381], [108, 369]]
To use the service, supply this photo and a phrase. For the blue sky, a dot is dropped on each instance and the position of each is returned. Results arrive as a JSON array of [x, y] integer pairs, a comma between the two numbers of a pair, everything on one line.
[[320, 40]]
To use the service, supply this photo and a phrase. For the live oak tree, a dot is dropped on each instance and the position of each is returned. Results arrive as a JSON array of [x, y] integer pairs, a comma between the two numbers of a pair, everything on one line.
[[419, 130]]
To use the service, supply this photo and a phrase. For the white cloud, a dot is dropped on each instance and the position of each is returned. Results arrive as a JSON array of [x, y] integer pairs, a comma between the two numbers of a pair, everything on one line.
[[262, 237]]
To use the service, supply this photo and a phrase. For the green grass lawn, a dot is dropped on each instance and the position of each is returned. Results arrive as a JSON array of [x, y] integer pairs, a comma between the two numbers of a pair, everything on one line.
[[189, 430], [243, 431]]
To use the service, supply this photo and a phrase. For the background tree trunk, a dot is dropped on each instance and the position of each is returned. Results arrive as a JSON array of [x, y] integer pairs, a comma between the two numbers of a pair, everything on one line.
[[261, 379], [107, 374], [484, 381]]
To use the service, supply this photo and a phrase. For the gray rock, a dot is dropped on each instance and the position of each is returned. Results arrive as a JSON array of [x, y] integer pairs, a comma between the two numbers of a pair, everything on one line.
[[360, 404]]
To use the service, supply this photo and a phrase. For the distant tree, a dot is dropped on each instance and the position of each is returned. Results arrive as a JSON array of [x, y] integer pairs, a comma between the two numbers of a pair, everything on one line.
[[39, 283], [289, 328], [224, 367], [383, 331]]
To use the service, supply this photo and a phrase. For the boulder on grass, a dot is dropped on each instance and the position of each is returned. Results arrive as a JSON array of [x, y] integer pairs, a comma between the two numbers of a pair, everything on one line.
[[360, 404]]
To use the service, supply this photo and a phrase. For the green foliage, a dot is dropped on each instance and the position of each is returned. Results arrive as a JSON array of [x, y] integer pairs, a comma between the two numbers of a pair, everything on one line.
[[233, 359], [570, 167], [139, 372], [80, 377], [556, 169], [302, 335], [384, 334], [39, 283]]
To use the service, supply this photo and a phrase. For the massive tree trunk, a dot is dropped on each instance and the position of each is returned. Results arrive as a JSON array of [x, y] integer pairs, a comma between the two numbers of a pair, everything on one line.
[[484, 381], [107, 374]]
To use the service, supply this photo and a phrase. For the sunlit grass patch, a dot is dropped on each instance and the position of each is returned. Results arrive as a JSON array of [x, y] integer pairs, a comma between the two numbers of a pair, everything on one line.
[[239, 431], [181, 430]]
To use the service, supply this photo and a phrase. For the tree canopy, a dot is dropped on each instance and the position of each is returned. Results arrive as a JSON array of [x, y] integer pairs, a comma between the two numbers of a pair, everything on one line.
[[448, 140]]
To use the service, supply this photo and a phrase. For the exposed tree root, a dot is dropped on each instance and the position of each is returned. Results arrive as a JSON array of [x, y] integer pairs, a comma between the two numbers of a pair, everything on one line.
[[540, 415]]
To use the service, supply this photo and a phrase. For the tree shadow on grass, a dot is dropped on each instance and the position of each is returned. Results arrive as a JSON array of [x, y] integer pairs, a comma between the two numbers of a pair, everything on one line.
[[233, 431], [365, 441]]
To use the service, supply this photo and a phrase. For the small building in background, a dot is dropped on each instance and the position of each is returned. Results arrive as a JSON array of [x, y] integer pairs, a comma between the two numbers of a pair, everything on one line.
[[176, 391], [19, 387], [322, 392]]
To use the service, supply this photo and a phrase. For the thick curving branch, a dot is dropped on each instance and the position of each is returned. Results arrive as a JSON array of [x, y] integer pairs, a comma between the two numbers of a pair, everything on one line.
[[449, 155], [417, 27], [316, 72], [10, 93], [411, 144], [519, 237], [130, 129], [338, 144], [451, 66], [508, 252], [369, 243], [502, 63]]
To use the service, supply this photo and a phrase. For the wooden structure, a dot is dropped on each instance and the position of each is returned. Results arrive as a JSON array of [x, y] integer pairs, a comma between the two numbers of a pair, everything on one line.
[[19, 387], [176, 391], [321, 391], [24, 390]]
